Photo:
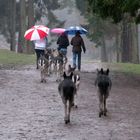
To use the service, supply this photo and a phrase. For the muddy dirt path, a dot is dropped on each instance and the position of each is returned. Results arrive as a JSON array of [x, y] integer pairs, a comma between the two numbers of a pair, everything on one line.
[[30, 110]]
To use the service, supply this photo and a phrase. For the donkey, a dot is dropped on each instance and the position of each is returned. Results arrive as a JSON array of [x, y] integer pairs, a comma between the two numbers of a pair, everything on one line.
[[67, 90], [103, 82], [43, 63], [75, 79], [57, 62], [48, 52]]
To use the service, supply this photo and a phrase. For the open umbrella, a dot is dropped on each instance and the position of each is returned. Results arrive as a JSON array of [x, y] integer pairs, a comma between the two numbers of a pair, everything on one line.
[[73, 29], [37, 32], [58, 30]]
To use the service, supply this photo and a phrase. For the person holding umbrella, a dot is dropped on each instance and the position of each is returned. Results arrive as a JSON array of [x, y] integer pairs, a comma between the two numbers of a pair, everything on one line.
[[63, 43], [38, 34], [40, 46], [78, 44]]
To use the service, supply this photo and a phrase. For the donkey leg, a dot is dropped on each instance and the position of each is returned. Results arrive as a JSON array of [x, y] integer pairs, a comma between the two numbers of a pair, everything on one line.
[[69, 110], [105, 109], [57, 72], [44, 78], [66, 115], [100, 105], [74, 104], [65, 111], [37, 59], [41, 74]]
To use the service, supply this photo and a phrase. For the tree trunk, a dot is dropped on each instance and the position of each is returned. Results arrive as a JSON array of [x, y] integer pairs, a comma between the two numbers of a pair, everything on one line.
[[103, 51], [125, 41], [12, 26], [130, 43], [118, 45], [138, 30], [22, 27], [134, 50], [31, 22]]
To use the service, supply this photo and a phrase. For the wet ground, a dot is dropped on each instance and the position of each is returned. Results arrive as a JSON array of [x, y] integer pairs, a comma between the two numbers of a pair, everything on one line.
[[30, 110]]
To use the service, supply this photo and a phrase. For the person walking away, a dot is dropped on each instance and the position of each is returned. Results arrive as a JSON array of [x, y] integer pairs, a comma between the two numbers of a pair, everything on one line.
[[40, 46], [63, 43], [78, 44]]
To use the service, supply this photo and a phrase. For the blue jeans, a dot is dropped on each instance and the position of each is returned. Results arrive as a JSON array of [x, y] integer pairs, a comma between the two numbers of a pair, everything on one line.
[[63, 51], [77, 57]]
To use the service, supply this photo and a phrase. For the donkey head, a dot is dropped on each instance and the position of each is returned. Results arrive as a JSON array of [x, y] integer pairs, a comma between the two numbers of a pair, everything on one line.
[[68, 76], [103, 72], [71, 69], [43, 60]]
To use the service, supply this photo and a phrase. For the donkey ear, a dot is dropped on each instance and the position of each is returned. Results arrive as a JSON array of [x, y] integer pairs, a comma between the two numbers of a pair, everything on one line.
[[41, 56], [69, 66], [97, 71], [74, 68], [102, 71], [64, 75], [71, 75], [107, 71]]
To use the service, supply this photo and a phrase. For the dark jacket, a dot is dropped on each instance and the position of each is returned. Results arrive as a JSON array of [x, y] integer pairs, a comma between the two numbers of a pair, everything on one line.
[[63, 41], [77, 42]]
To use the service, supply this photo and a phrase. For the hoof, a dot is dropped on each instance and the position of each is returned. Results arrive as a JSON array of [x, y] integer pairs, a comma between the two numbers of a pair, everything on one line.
[[67, 121], [58, 80], [76, 106], [105, 113], [73, 105], [43, 81], [100, 114]]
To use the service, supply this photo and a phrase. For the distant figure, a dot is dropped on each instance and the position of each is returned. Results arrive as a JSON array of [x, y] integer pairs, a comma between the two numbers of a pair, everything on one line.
[[63, 43], [78, 44], [40, 46]]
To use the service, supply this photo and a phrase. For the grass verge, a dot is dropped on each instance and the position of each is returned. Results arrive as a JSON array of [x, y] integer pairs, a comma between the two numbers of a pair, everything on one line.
[[15, 59], [127, 68]]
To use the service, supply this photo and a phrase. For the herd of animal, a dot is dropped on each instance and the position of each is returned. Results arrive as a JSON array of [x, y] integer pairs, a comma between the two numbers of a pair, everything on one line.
[[54, 62]]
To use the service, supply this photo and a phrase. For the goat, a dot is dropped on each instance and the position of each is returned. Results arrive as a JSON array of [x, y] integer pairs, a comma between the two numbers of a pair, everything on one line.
[[67, 90], [104, 84]]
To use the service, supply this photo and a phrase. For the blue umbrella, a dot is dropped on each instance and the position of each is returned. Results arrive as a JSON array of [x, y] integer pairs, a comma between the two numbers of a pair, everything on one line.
[[73, 29]]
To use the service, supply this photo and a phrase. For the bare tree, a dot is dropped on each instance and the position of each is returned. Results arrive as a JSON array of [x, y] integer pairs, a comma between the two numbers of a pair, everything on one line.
[[31, 22], [12, 27], [22, 27], [129, 41], [103, 50], [135, 50]]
